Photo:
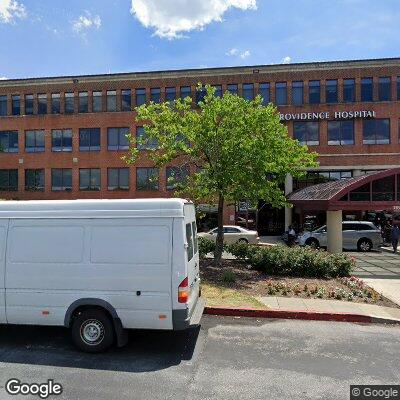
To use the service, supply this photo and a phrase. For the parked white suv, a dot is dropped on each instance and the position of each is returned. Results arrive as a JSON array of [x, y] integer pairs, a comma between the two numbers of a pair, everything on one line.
[[357, 235]]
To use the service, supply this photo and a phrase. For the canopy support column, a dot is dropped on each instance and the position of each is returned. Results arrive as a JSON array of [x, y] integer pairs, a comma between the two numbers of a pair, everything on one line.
[[334, 231]]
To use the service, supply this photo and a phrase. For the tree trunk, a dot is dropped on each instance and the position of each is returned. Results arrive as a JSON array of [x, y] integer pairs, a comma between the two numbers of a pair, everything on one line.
[[220, 234]]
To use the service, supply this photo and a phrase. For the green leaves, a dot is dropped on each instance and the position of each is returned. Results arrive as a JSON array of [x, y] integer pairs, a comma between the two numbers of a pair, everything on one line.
[[235, 148]]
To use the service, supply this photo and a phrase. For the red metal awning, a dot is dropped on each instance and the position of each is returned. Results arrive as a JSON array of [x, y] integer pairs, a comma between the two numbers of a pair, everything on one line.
[[358, 193]]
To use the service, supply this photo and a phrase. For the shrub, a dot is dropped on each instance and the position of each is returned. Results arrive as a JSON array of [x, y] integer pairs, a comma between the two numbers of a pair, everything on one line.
[[229, 277], [205, 246], [239, 250], [294, 261]]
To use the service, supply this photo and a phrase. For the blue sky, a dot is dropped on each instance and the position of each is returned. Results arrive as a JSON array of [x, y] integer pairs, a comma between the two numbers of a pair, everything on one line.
[[55, 37]]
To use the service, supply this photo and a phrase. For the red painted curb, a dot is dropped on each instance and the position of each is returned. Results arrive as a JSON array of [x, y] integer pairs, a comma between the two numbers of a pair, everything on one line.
[[284, 314]]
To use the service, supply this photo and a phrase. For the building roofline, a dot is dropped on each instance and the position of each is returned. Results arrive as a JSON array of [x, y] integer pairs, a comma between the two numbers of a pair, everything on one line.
[[197, 72]]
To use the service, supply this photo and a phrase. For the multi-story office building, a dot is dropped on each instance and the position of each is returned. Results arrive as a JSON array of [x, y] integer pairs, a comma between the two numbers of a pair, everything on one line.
[[63, 137]]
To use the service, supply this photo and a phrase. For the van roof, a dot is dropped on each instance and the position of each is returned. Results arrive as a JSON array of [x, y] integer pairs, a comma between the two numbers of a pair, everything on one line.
[[93, 208]]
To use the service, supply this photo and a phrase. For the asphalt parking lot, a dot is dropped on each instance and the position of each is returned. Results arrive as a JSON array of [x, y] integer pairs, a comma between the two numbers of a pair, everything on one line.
[[225, 359]]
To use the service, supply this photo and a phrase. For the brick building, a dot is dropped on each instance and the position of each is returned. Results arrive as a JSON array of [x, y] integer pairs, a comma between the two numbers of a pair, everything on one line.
[[63, 137]]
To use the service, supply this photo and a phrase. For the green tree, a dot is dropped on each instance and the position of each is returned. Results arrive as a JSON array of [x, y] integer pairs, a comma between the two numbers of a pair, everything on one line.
[[237, 149]]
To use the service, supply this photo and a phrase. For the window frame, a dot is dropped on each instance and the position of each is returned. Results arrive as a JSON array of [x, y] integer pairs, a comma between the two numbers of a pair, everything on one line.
[[97, 101], [83, 102], [90, 187], [307, 124], [8, 187], [63, 148], [119, 146], [37, 187], [264, 90], [56, 103], [367, 89], [248, 89], [281, 90], [6, 136], [331, 97], [314, 91], [111, 101], [346, 86], [3, 105], [126, 100], [35, 148], [340, 142], [385, 88], [297, 86], [148, 186], [29, 99], [15, 104], [67, 103], [119, 186], [92, 132], [64, 175], [376, 141]]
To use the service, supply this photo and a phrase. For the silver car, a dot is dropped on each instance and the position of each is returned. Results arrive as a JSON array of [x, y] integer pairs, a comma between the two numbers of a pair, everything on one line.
[[233, 234], [357, 235]]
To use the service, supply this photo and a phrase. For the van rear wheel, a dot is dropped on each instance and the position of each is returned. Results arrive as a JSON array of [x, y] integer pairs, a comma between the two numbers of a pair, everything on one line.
[[92, 331]]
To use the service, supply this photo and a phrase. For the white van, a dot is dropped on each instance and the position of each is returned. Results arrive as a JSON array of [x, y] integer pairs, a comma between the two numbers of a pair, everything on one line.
[[100, 267]]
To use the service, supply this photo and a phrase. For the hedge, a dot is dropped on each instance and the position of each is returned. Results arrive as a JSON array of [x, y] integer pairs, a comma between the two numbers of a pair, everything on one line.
[[288, 261]]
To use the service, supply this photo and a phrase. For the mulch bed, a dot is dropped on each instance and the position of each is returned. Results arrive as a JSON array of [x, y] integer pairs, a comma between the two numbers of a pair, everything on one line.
[[235, 274]]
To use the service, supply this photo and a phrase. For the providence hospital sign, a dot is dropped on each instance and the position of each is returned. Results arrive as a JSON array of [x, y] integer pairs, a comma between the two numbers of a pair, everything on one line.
[[316, 116]]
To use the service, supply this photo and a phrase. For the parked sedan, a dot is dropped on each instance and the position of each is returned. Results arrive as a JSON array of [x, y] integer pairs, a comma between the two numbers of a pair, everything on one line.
[[233, 234], [357, 235]]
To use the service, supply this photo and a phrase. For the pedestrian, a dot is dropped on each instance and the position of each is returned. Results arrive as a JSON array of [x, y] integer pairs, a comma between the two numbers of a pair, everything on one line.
[[291, 236], [395, 237]]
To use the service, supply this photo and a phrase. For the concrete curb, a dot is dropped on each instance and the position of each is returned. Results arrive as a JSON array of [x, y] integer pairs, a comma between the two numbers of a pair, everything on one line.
[[302, 315]]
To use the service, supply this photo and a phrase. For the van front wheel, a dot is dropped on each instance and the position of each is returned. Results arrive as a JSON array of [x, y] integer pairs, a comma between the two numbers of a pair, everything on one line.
[[92, 331]]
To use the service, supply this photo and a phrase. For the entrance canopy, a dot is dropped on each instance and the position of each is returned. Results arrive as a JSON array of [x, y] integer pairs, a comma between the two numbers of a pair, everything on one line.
[[373, 191]]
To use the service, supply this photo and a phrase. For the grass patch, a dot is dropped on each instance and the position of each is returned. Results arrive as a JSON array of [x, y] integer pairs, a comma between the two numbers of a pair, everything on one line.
[[222, 296]]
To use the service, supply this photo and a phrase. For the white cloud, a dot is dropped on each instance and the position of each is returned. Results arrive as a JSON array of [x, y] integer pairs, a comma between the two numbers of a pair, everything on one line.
[[3, 78], [236, 53], [171, 18], [10, 10], [86, 21], [287, 60]]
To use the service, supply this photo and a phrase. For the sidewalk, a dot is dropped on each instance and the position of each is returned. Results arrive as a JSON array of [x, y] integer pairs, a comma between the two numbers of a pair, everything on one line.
[[331, 306]]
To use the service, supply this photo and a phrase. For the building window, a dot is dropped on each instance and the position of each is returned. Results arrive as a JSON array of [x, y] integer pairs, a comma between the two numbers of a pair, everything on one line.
[[126, 100], [89, 179], [111, 100], [147, 178], [263, 91], [143, 142], [89, 139], [335, 175], [3, 106], [367, 90], [385, 89], [340, 132], [83, 102], [42, 103], [97, 101], [176, 176], [61, 179], [34, 141], [69, 106], [170, 94], [200, 94], [398, 92], [8, 142], [155, 95], [186, 91], [349, 90], [61, 140], [218, 90], [376, 131], [281, 93], [29, 104], [9, 180], [297, 93], [16, 104], [314, 92], [118, 178], [55, 103], [116, 138], [233, 88], [248, 91], [331, 91], [34, 180], [140, 97], [306, 133]]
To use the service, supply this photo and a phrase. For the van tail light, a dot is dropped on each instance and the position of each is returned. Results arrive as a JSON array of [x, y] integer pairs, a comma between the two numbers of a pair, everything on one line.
[[183, 291]]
